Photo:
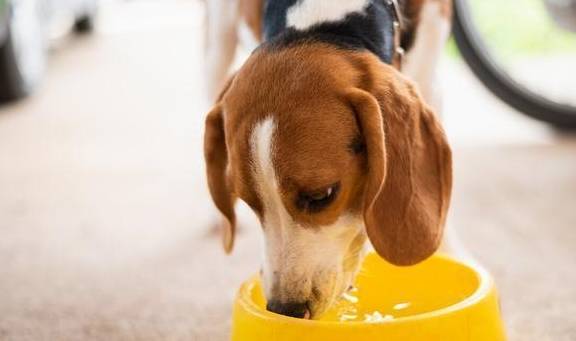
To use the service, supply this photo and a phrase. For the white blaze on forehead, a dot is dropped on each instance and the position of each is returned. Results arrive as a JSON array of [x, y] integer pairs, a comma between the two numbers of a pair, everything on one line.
[[275, 217], [307, 13], [262, 166]]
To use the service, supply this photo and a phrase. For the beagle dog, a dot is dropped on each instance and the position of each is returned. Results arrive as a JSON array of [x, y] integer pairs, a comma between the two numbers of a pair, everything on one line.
[[327, 132]]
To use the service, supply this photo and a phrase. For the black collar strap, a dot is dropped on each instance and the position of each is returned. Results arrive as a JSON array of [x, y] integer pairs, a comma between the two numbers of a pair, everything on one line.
[[397, 32]]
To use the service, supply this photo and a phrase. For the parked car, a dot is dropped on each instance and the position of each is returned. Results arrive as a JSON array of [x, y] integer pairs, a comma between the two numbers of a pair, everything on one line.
[[25, 27]]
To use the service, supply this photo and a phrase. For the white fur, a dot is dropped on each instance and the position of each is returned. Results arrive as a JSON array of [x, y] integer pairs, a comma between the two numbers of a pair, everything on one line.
[[307, 13], [296, 258], [422, 63], [221, 40]]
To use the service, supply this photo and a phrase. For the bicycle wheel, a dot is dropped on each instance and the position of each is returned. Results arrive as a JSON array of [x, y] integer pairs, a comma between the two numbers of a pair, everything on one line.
[[550, 95]]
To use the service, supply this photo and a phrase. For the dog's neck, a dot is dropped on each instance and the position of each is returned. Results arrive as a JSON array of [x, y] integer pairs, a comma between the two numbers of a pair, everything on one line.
[[351, 24]]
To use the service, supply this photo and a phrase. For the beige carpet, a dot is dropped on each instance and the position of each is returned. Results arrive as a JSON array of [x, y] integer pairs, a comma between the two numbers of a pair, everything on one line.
[[515, 210], [104, 218]]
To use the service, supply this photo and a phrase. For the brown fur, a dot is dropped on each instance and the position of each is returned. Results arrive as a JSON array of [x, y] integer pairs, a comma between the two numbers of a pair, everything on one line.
[[216, 158], [401, 184], [410, 170], [252, 12], [411, 10]]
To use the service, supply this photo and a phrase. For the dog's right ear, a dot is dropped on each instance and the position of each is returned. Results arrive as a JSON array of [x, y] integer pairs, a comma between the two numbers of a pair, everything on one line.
[[409, 168], [219, 182]]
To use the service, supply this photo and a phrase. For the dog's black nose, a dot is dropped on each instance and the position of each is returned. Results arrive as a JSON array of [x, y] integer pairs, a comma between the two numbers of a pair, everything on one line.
[[292, 309]]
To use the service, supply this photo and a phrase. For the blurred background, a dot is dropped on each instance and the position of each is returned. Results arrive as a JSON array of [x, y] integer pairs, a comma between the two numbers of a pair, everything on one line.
[[105, 220]]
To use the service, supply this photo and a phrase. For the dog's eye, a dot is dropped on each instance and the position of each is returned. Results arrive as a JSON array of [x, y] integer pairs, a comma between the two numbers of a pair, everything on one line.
[[315, 201]]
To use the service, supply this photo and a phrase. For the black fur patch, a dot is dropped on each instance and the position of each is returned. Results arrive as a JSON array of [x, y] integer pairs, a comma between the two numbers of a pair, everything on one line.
[[370, 30], [275, 12]]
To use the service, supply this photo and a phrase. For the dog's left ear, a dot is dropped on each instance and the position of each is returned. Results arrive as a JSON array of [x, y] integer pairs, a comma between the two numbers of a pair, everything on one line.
[[409, 180], [217, 159]]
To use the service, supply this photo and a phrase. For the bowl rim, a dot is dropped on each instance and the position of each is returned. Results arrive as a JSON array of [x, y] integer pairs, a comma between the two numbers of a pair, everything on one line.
[[485, 287]]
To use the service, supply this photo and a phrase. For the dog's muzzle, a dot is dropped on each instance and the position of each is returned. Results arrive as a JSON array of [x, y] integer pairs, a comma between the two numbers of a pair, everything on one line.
[[292, 309]]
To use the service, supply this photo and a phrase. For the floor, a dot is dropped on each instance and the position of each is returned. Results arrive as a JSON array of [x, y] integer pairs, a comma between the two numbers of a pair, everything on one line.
[[105, 219]]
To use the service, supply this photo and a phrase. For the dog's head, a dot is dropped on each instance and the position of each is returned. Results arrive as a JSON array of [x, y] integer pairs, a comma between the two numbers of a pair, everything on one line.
[[327, 146]]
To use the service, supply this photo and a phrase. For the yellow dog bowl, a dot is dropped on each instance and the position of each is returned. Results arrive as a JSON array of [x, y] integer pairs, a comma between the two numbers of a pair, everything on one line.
[[439, 299]]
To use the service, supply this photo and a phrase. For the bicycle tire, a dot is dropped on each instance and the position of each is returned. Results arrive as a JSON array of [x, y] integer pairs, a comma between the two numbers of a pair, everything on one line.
[[478, 59]]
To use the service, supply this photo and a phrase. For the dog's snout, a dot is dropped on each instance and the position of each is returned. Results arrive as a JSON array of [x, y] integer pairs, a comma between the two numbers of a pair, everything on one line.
[[292, 309]]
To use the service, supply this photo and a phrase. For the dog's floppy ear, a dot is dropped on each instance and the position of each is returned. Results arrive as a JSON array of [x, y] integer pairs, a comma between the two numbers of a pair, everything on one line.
[[216, 158], [409, 170]]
